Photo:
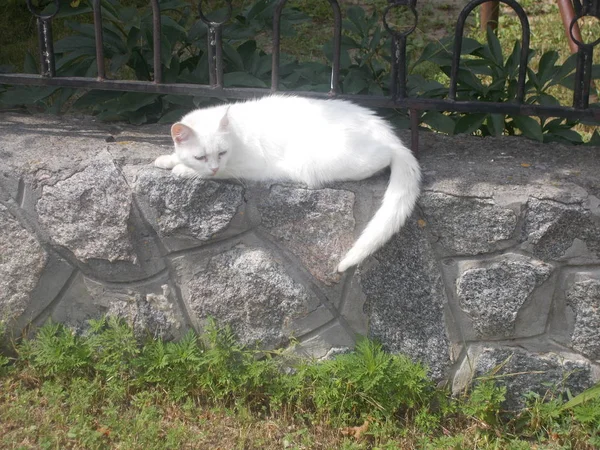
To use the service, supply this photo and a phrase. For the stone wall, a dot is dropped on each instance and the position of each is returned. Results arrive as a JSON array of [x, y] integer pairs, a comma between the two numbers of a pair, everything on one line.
[[499, 267]]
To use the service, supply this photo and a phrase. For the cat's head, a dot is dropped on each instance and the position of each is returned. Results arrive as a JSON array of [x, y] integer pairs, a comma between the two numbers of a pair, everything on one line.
[[205, 150]]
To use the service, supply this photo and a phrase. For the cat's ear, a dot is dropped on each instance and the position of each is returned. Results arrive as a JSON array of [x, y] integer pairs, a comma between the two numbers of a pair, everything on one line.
[[224, 123], [180, 132]]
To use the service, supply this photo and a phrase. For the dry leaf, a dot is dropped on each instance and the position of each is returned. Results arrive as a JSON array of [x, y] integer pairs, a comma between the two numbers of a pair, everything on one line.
[[356, 432], [103, 430], [421, 223], [525, 165]]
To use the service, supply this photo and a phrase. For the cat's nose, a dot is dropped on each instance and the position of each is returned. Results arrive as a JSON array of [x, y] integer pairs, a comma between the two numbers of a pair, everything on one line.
[[215, 170]]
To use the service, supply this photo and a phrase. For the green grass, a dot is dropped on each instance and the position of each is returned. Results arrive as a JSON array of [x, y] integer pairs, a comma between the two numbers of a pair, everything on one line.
[[107, 390]]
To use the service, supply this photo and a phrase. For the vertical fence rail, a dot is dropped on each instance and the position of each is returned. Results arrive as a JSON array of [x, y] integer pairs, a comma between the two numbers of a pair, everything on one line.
[[458, 36], [585, 53], [45, 39], [215, 45], [97, 8], [156, 32]]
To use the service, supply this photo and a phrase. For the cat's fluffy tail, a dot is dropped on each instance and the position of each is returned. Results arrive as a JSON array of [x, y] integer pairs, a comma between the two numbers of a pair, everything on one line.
[[398, 202]]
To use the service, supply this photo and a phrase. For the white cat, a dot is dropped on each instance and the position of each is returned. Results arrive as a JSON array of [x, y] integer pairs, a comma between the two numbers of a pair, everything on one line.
[[304, 140]]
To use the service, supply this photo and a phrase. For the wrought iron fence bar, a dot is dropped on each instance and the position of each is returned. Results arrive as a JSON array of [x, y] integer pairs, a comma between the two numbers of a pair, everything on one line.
[[215, 45], [374, 101], [583, 78], [458, 36], [156, 31], [399, 62], [47, 58], [276, 44], [398, 81], [45, 39], [337, 46], [99, 38]]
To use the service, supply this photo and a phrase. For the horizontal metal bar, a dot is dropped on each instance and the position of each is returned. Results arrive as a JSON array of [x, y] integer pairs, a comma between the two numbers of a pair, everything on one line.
[[374, 101]]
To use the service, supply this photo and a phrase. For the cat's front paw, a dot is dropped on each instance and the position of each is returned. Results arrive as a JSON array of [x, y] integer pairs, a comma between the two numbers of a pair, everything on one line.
[[183, 171], [166, 161]]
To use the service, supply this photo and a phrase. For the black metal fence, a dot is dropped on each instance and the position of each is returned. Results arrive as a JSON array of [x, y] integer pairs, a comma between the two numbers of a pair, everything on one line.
[[398, 97]]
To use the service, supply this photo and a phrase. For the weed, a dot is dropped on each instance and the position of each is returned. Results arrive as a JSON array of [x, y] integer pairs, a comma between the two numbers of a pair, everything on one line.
[[105, 389]]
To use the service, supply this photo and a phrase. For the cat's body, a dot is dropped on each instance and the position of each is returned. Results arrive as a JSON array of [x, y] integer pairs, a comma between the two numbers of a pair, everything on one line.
[[303, 140]]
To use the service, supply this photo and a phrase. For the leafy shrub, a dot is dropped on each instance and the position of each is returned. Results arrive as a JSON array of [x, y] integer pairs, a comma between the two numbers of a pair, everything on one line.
[[485, 74], [106, 373]]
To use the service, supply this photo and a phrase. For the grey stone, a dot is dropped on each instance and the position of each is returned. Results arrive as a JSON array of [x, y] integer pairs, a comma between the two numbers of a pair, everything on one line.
[[151, 308], [9, 186], [315, 225], [552, 228], [22, 262], [493, 295], [88, 213], [522, 371], [583, 296], [51, 283], [468, 166], [249, 288], [405, 300], [331, 340], [186, 212], [467, 226]]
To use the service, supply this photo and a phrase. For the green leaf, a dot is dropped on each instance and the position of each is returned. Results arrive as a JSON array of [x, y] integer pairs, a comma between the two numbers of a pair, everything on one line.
[[233, 57], [247, 51], [439, 122], [495, 123], [257, 8], [564, 75], [513, 60], [95, 97], [133, 101], [554, 124], [469, 123], [198, 31], [494, 47], [165, 52], [134, 38], [74, 43], [546, 67], [469, 46], [173, 5], [356, 14], [530, 127], [595, 139], [30, 64], [242, 79], [355, 82], [118, 61], [264, 65], [468, 79], [63, 62], [26, 95], [589, 394], [570, 135], [548, 100], [174, 116], [167, 22]]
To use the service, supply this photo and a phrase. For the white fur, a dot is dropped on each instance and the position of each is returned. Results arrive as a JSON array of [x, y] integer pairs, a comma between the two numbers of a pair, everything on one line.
[[304, 140]]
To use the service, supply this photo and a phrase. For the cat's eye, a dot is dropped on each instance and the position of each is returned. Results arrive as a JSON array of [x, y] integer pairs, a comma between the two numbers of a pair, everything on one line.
[[200, 158], [222, 153]]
